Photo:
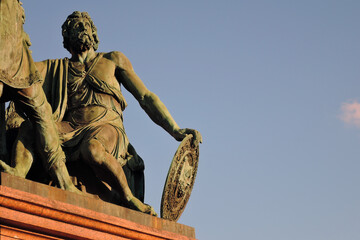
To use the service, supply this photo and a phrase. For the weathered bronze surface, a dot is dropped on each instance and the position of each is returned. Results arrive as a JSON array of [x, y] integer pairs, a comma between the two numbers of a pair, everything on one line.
[[84, 96], [21, 83], [180, 179], [17, 68]]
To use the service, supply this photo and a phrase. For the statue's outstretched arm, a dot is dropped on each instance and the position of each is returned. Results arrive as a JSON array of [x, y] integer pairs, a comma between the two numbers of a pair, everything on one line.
[[149, 101]]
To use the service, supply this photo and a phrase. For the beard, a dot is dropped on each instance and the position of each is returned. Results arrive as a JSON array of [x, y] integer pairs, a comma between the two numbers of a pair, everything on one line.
[[82, 42]]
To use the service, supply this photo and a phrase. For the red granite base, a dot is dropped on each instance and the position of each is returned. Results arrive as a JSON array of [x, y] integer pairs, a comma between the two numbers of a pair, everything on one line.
[[30, 210]]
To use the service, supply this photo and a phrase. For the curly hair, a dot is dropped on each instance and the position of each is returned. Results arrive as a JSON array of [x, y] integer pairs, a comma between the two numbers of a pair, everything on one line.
[[67, 25]]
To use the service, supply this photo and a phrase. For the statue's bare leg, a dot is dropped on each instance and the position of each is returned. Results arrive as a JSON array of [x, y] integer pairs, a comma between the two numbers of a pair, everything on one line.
[[34, 103], [22, 153], [3, 166], [6, 168], [23, 150], [1, 89], [109, 170]]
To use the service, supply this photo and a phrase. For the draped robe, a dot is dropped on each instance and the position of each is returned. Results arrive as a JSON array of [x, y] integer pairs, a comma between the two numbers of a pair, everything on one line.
[[57, 75], [17, 68]]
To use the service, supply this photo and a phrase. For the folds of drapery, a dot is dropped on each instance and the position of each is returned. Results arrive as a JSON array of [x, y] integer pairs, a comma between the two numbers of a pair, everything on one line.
[[55, 74], [17, 68]]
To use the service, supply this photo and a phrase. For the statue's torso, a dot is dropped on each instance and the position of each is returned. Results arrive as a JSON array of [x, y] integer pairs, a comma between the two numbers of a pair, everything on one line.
[[86, 103]]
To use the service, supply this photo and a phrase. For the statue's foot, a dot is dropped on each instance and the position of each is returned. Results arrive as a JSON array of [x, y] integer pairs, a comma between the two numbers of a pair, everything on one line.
[[7, 169], [72, 188], [136, 204], [150, 210]]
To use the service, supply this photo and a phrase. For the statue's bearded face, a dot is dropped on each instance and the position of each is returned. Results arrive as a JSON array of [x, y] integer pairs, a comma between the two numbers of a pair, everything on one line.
[[81, 35]]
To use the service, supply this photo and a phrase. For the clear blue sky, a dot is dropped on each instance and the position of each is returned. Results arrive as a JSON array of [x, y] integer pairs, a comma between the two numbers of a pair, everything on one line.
[[267, 83]]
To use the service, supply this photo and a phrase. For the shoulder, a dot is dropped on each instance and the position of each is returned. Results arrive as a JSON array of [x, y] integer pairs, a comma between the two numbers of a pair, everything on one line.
[[43, 65], [119, 59]]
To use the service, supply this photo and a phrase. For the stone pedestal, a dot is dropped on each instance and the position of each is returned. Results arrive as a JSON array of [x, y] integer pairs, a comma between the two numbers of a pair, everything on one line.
[[29, 210]]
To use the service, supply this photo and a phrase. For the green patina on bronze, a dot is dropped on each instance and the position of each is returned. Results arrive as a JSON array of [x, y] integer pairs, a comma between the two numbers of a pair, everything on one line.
[[17, 67], [87, 109], [21, 83]]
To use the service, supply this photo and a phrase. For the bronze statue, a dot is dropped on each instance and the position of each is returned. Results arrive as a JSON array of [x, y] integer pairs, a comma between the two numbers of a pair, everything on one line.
[[87, 103], [21, 82]]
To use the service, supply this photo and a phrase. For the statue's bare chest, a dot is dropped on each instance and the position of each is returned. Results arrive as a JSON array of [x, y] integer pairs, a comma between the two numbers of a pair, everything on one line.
[[83, 76]]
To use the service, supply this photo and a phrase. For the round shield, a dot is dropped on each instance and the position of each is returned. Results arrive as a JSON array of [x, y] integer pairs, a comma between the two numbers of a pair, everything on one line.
[[180, 180]]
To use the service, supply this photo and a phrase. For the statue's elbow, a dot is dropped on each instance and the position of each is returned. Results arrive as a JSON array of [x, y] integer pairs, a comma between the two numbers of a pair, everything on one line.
[[145, 100], [148, 99]]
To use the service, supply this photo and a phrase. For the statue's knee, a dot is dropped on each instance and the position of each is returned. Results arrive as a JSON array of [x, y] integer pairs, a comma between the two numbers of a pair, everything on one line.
[[1, 89], [6, 92], [30, 92], [93, 151]]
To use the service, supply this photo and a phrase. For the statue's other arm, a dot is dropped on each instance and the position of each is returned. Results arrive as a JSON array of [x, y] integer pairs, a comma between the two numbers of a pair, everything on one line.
[[148, 100]]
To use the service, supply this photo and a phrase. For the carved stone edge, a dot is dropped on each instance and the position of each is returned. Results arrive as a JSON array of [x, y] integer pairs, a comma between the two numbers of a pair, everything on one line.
[[26, 210]]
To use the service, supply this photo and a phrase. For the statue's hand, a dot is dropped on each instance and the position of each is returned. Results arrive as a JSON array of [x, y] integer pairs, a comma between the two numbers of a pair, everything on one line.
[[180, 134]]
